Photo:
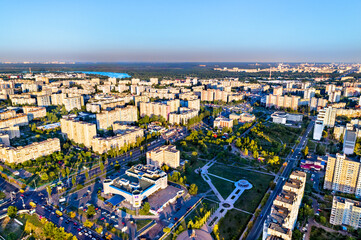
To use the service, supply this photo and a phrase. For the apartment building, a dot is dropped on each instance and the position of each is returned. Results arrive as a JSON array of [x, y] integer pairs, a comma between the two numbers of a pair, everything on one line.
[[316, 103], [125, 135], [43, 100], [278, 101], [166, 154], [183, 116], [343, 175], [192, 104], [125, 115], [345, 212], [278, 91], [154, 108], [284, 211], [326, 117], [349, 141], [7, 114], [22, 99], [73, 102], [18, 120], [78, 131], [32, 151], [34, 112], [334, 96]]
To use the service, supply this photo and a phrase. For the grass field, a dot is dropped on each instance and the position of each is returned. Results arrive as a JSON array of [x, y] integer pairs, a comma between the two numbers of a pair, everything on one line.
[[320, 234], [224, 187], [250, 199], [233, 224], [141, 223], [193, 177]]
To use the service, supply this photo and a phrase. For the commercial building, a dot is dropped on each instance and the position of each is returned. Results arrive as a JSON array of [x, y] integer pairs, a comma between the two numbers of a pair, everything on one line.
[[32, 151], [284, 211], [166, 154], [138, 183], [221, 122], [343, 175], [284, 118], [345, 212]]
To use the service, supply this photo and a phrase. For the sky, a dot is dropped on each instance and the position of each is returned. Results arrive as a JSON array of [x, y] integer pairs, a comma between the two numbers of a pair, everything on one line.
[[181, 31]]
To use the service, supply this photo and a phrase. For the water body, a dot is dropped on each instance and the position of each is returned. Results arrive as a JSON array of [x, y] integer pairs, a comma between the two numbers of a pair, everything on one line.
[[108, 74]]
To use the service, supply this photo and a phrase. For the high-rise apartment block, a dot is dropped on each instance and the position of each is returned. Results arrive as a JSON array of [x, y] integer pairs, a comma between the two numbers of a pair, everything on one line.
[[278, 101], [343, 175], [154, 108], [78, 131], [345, 212], [166, 154], [284, 211], [125, 115]]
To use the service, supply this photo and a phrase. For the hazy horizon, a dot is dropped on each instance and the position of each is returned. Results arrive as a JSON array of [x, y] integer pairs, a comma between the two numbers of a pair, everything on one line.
[[163, 31]]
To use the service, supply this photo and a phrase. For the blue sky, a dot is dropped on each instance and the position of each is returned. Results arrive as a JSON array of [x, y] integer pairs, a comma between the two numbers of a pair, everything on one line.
[[157, 31]]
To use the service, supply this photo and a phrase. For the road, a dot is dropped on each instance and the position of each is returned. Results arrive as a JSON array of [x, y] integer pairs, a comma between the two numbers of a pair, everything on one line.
[[292, 160]]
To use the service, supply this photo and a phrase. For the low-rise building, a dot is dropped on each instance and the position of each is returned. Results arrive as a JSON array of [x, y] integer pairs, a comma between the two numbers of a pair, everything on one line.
[[221, 122], [138, 183]]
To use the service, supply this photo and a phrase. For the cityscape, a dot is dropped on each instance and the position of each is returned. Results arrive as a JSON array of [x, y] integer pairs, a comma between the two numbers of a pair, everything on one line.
[[180, 120]]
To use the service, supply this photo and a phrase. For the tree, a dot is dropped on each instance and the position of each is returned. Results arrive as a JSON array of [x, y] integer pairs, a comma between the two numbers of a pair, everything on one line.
[[99, 230], [101, 166], [88, 224], [72, 214], [73, 180], [44, 177], [48, 190], [323, 220], [305, 151], [91, 211], [86, 175], [145, 209], [12, 211], [193, 189]]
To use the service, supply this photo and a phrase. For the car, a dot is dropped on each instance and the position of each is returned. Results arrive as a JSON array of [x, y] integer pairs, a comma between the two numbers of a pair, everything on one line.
[[75, 223], [102, 219], [80, 233], [175, 219], [78, 229], [61, 218], [53, 213]]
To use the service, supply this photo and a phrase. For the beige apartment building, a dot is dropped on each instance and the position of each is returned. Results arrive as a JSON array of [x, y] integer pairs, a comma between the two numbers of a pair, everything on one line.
[[43, 100], [183, 116], [343, 175], [22, 99], [278, 101], [32, 151], [34, 112], [154, 108], [18, 120], [7, 114], [166, 154], [124, 135], [125, 115], [284, 211], [78, 131], [345, 212], [73, 102]]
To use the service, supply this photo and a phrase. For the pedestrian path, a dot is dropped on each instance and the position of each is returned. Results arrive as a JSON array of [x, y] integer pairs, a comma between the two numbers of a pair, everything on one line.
[[224, 204]]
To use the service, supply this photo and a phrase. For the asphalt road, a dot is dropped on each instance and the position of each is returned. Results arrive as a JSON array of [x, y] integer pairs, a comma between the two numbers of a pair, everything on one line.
[[292, 163]]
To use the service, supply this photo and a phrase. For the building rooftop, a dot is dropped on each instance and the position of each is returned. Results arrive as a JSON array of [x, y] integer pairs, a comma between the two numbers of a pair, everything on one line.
[[286, 197]]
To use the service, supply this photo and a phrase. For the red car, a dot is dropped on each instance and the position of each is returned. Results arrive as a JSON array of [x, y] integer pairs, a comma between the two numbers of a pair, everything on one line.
[[102, 218], [75, 224], [79, 229]]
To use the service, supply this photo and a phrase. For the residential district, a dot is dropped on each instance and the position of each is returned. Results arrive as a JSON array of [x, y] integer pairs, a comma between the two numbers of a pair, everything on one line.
[[87, 156]]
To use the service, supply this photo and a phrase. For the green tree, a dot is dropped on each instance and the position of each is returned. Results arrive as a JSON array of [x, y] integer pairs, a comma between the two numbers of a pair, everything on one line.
[[73, 180], [145, 209], [12, 211], [305, 151], [91, 211], [101, 166], [86, 175], [193, 189], [323, 220], [48, 190]]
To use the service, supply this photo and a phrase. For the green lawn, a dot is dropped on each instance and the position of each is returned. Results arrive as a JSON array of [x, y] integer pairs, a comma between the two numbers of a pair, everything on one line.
[[224, 187], [233, 224], [320, 234], [193, 177], [249, 199], [141, 223]]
